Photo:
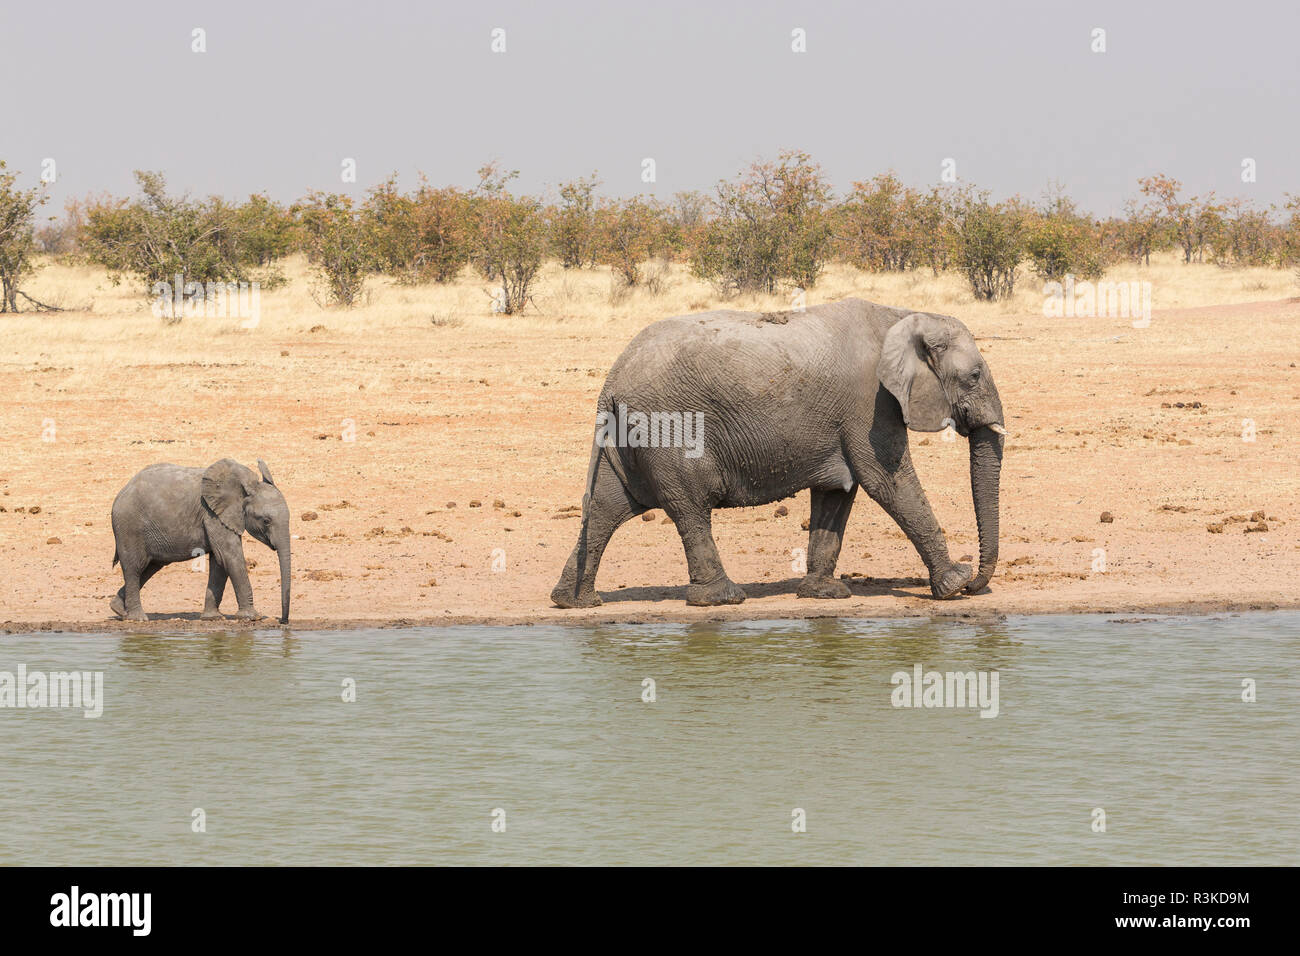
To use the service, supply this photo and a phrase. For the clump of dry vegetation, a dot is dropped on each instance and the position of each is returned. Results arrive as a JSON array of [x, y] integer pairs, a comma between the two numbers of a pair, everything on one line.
[[772, 233]]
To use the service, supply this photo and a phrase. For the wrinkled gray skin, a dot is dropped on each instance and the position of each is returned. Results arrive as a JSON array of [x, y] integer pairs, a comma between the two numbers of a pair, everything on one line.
[[821, 399], [167, 513]]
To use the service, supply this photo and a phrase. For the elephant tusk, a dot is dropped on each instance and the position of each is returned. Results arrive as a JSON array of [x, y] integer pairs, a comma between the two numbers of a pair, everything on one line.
[[998, 428]]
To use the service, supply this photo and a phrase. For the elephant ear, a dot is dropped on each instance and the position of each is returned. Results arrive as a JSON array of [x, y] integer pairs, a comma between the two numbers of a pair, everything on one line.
[[266, 472], [225, 486], [906, 371]]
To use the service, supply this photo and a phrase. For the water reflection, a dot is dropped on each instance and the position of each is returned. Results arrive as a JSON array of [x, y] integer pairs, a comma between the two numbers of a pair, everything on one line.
[[154, 650], [840, 649], [748, 720]]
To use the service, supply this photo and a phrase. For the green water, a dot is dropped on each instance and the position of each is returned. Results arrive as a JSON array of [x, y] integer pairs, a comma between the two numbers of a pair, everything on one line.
[[1143, 720]]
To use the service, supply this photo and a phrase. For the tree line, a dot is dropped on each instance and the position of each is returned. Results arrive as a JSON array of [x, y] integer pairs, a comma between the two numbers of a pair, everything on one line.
[[773, 227]]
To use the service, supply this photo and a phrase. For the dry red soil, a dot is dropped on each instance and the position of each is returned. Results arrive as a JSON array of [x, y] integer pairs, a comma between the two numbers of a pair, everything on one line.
[[449, 505]]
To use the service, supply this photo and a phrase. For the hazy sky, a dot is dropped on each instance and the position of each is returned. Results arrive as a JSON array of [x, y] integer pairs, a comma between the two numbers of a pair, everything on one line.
[[1011, 91]]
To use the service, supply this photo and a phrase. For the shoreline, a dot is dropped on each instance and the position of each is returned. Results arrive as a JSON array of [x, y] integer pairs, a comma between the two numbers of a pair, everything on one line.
[[190, 624]]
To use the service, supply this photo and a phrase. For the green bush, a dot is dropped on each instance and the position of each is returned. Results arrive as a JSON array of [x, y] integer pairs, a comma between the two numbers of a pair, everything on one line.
[[1190, 222], [1142, 231], [1243, 236], [389, 217], [682, 222], [421, 237], [1059, 242], [879, 227], [339, 241], [628, 233], [442, 232], [1288, 240], [510, 238], [159, 237], [769, 226], [266, 230], [574, 223], [17, 237], [988, 244]]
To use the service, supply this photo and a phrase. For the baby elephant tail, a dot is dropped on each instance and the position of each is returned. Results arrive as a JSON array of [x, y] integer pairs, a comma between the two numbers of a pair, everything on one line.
[[114, 564]]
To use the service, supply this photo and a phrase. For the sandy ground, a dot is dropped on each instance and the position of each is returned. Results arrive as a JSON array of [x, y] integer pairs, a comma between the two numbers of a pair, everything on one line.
[[471, 440]]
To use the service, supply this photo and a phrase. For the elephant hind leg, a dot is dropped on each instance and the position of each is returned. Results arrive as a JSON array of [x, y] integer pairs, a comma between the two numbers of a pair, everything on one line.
[[126, 603], [608, 506], [709, 582], [830, 514]]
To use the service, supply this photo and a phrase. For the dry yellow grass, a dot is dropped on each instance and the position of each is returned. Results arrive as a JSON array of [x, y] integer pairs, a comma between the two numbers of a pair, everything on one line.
[[579, 298], [452, 404]]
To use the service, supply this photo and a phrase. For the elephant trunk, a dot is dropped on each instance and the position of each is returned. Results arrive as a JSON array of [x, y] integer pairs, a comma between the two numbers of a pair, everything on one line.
[[985, 473], [282, 549]]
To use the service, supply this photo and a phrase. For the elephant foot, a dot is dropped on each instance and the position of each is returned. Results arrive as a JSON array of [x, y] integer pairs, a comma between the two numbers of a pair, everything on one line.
[[249, 614], [117, 606], [722, 591], [822, 587], [950, 581], [212, 614], [563, 596]]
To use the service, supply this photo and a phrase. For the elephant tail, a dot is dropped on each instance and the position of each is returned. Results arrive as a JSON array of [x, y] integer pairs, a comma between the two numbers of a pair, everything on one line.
[[597, 448], [601, 447], [115, 558]]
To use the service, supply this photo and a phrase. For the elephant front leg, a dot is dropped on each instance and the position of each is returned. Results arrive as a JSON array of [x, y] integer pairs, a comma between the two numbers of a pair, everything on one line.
[[236, 568], [830, 514], [709, 582], [216, 589], [903, 498]]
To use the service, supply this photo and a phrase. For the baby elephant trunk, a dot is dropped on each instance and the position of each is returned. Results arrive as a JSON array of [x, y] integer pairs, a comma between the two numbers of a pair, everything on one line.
[[985, 474], [282, 549]]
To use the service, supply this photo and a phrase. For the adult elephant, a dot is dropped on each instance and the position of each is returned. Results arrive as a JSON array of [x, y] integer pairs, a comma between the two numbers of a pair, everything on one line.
[[168, 513], [818, 399]]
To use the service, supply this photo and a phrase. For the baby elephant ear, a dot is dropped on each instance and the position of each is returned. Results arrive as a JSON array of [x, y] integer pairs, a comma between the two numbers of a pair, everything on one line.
[[225, 486], [266, 472], [905, 370]]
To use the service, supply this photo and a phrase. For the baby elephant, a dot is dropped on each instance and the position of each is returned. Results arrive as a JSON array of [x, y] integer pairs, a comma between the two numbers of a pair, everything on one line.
[[167, 513]]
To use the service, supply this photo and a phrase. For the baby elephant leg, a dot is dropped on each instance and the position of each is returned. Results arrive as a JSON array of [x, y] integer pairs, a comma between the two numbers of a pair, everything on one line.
[[126, 603], [217, 578]]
